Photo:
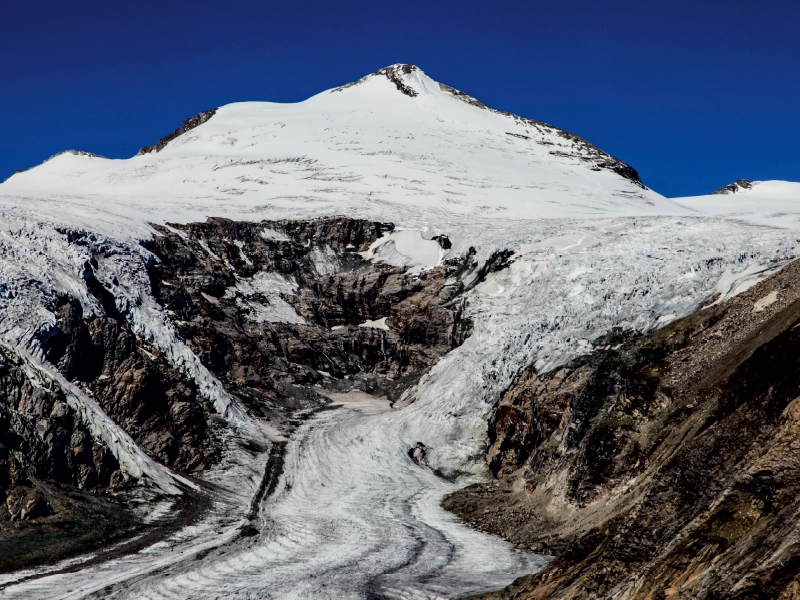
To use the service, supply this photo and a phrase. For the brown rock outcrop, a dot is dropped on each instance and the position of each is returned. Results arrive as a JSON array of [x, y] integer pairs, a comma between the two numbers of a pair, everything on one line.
[[42, 438], [52, 473]]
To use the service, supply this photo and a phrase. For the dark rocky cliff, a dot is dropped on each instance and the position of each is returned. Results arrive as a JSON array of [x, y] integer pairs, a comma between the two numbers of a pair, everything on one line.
[[187, 125], [150, 399], [43, 439], [661, 465], [280, 363], [51, 470]]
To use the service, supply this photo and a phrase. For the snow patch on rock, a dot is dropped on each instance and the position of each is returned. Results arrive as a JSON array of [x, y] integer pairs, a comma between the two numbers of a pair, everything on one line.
[[766, 301], [263, 295], [376, 324], [405, 248]]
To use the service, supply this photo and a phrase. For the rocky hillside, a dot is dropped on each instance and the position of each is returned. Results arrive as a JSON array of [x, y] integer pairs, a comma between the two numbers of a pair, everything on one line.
[[282, 311], [660, 465]]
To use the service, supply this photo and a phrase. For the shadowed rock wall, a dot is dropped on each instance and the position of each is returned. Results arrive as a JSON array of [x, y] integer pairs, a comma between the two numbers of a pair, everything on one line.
[[282, 311]]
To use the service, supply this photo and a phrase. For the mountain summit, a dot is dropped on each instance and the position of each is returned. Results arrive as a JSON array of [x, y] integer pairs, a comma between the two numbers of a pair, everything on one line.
[[395, 138]]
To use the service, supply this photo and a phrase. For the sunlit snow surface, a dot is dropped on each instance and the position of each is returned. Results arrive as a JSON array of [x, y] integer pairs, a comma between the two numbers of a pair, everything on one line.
[[771, 203], [353, 516], [367, 148]]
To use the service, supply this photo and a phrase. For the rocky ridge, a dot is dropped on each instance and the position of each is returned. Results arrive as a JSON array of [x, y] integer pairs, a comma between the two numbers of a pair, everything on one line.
[[736, 186], [187, 125]]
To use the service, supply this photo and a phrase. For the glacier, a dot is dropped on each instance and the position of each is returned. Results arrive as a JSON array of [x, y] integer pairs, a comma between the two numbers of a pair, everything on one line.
[[352, 515]]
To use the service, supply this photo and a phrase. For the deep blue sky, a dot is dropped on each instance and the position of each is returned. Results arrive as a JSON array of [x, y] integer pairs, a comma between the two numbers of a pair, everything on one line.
[[694, 94]]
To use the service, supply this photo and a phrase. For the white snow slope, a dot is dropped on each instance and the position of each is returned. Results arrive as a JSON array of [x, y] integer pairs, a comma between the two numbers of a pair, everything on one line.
[[772, 203], [365, 149], [353, 516]]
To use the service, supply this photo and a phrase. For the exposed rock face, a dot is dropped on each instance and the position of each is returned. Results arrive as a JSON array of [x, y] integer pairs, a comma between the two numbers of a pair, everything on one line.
[[153, 402], [736, 186], [41, 438], [25, 503], [393, 73], [282, 311], [662, 465], [187, 125]]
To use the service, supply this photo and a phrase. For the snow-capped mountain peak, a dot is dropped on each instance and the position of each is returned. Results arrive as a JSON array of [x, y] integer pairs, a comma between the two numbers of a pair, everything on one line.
[[392, 142], [408, 79]]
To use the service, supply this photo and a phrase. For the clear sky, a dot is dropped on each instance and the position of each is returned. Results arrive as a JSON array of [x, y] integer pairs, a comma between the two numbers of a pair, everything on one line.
[[693, 94]]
